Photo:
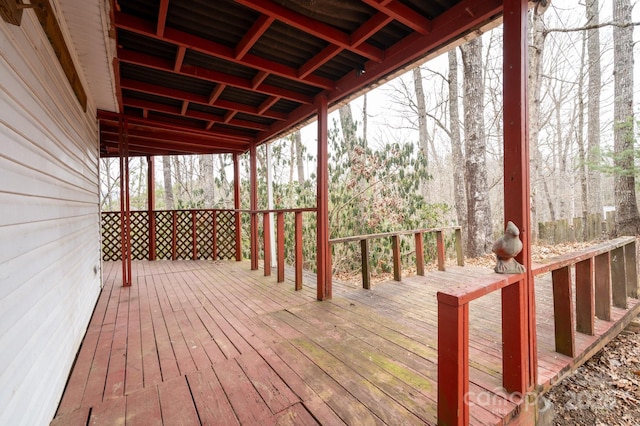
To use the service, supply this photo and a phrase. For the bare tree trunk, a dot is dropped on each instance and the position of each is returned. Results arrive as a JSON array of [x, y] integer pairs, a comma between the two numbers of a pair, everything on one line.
[[594, 186], [456, 144], [168, 182], [627, 217], [536, 53], [299, 156], [479, 220], [584, 188], [177, 172], [348, 126], [422, 125], [208, 187], [364, 120]]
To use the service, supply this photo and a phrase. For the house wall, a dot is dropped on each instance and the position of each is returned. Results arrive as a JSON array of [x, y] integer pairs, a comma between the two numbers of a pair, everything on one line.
[[49, 224]]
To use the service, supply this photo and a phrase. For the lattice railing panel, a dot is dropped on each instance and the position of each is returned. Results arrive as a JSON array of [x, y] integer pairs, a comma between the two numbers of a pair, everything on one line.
[[111, 248], [184, 237], [226, 233], [139, 221], [204, 234], [164, 234]]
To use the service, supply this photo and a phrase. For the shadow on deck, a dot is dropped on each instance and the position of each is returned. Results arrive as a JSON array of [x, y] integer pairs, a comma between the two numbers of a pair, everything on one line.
[[204, 342]]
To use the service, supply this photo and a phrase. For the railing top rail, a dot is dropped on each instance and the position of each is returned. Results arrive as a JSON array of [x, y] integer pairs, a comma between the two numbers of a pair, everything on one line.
[[356, 238], [167, 210], [569, 259], [486, 284], [290, 210], [466, 293]]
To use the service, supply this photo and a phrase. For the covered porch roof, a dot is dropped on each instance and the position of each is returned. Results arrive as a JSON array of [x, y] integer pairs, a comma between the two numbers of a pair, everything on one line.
[[218, 77]]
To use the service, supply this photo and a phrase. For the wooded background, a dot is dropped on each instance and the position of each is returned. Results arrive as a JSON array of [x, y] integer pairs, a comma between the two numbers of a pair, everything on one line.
[[425, 149]]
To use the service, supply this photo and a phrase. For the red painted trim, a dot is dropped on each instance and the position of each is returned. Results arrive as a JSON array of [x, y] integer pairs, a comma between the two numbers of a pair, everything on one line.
[[258, 28], [151, 205], [419, 254], [516, 157], [298, 257], [453, 364], [322, 217], [280, 245], [266, 230], [253, 205], [236, 204]]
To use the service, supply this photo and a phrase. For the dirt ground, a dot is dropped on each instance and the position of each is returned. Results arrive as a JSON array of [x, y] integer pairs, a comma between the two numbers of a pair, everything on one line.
[[606, 389]]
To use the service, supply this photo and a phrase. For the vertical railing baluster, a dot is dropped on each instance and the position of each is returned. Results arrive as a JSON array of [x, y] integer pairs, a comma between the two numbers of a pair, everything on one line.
[[618, 278], [440, 249], [266, 230], [603, 286], [214, 237], [280, 245], [459, 254], [194, 236], [419, 254], [563, 311], [585, 299], [631, 269], [174, 234], [298, 257], [397, 262], [366, 272]]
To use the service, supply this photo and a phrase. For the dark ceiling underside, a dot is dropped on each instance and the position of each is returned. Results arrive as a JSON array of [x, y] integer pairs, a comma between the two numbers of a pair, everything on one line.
[[204, 76]]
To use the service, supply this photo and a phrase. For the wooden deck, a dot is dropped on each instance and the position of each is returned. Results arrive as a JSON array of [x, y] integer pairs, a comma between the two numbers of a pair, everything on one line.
[[204, 342]]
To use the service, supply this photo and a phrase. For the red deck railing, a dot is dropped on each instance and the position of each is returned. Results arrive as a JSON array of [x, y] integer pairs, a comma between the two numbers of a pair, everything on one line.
[[395, 244], [600, 271], [280, 241]]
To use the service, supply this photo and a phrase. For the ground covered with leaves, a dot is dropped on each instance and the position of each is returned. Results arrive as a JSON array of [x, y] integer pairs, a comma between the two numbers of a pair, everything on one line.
[[605, 391]]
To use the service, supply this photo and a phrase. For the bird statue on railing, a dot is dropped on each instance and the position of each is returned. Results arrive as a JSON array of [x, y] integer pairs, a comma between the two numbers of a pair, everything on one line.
[[506, 249]]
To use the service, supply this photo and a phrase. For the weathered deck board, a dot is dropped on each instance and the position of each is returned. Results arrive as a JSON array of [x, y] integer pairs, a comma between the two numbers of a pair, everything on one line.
[[204, 342]]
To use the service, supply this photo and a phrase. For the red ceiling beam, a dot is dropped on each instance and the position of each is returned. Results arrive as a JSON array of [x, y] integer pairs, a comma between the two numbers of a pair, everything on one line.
[[167, 124], [251, 37], [183, 143], [205, 74], [319, 60], [463, 17], [162, 17], [149, 132], [369, 28], [166, 92], [314, 27], [402, 14], [216, 92], [179, 58], [208, 47], [198, 115]]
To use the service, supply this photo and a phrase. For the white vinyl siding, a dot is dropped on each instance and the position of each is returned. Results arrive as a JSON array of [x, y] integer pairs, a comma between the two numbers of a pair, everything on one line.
[[49, 224]]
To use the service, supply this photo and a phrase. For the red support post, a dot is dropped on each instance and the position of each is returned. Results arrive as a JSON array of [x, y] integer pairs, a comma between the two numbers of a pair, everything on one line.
[[322, 202], [631, 269], [194, 235], [280, 247], [151, 205], [253, 205], [618, 278], [236, 205], [123, 148], [440, 249], [453, 363], [459, 254], [266, 229], [299, 259], [516, 164]]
